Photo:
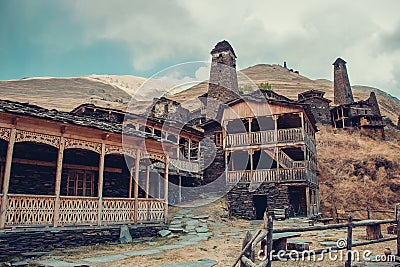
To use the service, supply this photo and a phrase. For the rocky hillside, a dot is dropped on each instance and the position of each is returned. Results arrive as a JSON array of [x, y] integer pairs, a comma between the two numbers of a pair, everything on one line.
[[357, 171]]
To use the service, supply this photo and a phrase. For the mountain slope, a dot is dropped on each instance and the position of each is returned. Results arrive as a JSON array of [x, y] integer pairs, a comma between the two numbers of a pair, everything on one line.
[[290, 84], [116, 91]]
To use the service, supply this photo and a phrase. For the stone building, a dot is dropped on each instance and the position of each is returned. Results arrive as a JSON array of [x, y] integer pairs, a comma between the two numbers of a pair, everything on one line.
[[264, 149], [319, 105], [342, 88], [363, 115]]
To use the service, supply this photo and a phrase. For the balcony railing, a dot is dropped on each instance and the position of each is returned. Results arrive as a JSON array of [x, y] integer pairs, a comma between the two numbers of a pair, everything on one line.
[[39, 210], [265, 137], [184, 165], [271, 175]]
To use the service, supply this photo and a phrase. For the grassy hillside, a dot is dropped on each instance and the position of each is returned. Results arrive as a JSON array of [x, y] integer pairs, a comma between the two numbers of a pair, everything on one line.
[[357, 171]]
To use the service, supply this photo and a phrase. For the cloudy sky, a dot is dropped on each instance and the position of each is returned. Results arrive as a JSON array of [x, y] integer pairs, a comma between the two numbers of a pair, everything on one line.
[[73, 38]]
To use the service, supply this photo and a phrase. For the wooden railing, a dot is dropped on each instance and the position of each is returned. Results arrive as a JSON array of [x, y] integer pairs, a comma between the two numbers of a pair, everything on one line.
[[78, 210], [150, 210], [185, 165], [271, 175], [118, 210], [38, 210], [30, 210], [265, 137], [290, 135], [285, 160]]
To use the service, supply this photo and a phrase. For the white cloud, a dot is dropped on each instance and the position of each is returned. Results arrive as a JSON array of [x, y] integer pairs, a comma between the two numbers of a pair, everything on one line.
[[308, 34]]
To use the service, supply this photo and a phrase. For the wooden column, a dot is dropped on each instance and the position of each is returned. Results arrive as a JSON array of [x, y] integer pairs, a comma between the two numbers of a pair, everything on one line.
[[189, 149], [57, 189], [6, 180], [180, 188], [136, 184], [251, 153], [198, 152], [349, 241], [275, 118], [166, 189], [147, 184], [130, 182], [398, 234], [308, 200], [100, 183]]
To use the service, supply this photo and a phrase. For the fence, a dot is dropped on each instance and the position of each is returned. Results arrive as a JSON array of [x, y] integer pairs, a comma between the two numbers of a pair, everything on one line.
[[246, 256]]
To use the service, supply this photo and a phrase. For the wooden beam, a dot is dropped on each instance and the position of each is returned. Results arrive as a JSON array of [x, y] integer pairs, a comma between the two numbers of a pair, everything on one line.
[[65, 166], [58, 181], [6, 180]]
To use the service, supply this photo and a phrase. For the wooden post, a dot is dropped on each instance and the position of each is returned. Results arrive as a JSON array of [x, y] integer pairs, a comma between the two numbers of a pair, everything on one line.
[[275, 118], [100, 183], [189, 149], [58, 181], [368, 213], [130, 182], [308, 200], [198, 152], [249, 253], [180, 188], [6, 180], [398, 235], [147, 185], [166, 188], [349, 240], [136, 185], [270, 227]]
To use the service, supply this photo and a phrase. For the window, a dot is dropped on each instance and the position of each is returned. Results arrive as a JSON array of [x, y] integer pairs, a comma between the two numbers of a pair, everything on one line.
[[218, 138], [80, 183]]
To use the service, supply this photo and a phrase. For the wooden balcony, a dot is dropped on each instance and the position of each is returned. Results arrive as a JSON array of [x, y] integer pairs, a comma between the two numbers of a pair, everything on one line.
[[185, 165], [265, 137], [271, 175], [39, 210]]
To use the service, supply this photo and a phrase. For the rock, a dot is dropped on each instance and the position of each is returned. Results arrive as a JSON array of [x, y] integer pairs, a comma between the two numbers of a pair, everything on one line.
[[143, 252], [205, 217], [125, 235], [164, 233], [192, 222], [201, 230], [177, 230]]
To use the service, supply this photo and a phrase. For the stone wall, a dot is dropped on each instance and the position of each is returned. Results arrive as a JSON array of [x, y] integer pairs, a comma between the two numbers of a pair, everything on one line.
[[240, 199], [217, 166], [342, 89], [14, 244], [31, 179], [320, 109]]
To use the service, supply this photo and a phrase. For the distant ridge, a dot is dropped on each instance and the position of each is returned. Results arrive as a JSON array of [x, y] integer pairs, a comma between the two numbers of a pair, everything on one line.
[[115, 91]]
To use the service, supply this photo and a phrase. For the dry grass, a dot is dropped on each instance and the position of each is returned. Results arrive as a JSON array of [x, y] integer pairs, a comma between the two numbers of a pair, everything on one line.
[[356, 171]]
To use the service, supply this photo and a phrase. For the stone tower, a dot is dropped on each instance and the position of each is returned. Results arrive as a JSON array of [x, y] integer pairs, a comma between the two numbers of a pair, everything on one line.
[[342, 88], [223, 85], [374, 104]]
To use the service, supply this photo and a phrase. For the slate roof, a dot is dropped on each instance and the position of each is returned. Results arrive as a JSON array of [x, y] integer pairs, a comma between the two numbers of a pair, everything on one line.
[[27, 109], [223, 46]]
